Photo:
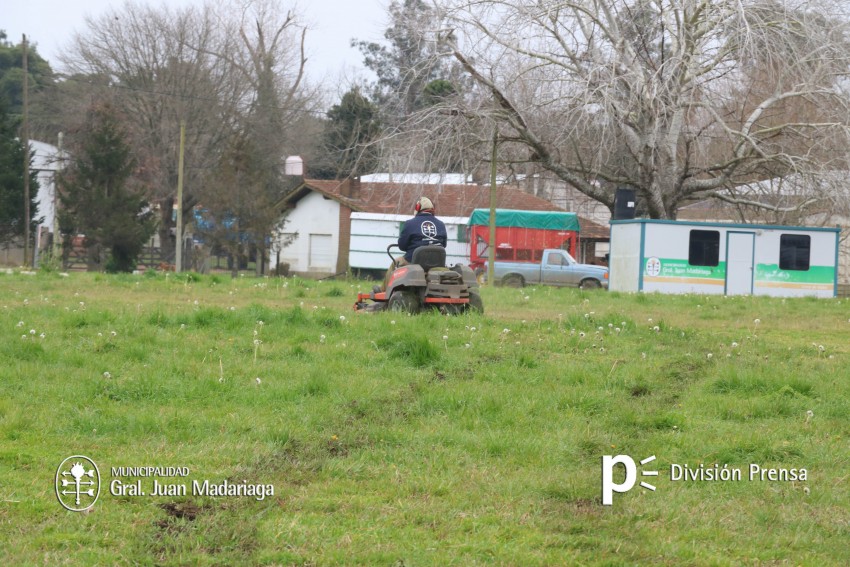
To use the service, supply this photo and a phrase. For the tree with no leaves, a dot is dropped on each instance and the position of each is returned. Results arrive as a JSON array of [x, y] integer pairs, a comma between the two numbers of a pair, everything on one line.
[[230, 72], [678, 99]]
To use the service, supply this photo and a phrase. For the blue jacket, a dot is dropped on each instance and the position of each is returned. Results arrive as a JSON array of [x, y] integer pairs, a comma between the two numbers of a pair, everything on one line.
[[422, 230]]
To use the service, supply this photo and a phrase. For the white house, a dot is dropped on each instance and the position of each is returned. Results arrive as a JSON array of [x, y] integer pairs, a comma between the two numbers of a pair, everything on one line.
[[319, 215]]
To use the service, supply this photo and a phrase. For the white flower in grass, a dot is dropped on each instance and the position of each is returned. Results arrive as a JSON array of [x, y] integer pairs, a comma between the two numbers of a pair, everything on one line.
[[467, 345], [321, 338], [23, 337], [257, 342], [809, 415], [20, 324], [114, 334], [342, 318], [107, 375], [821, 348], [505, 331], [806, 490], [756, 321], [643, 355], [392, 322], [617, 329], [472, 329], [258, 380], [196, 302], [100, 334], [734, 345], [709, 356], [649, 320], [656, 328], [581, 335], [26, 301], [42, 335], [445, 337], [260, 323], [599, 329], [233, 309], [32, 331]]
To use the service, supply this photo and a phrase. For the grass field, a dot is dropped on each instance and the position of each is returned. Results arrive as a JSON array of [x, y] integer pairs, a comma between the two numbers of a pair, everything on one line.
[[427, 440]]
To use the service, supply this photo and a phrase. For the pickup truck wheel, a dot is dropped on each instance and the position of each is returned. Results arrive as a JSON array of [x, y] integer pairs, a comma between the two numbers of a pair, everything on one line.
[[403, 302], [513, 280], [590, 284], [475, 303]]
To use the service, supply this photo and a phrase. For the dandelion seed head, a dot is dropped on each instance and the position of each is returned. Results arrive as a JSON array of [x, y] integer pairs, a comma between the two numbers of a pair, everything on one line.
[[257, 379], [107, 375], [20, 324], [656, 328], [32, 331]]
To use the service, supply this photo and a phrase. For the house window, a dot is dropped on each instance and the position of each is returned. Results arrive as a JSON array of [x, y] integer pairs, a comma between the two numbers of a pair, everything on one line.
[[794, 251], [704, 248]]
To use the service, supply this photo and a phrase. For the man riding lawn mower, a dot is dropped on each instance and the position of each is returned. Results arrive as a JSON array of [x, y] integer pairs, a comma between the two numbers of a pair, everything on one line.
[[421, 279]]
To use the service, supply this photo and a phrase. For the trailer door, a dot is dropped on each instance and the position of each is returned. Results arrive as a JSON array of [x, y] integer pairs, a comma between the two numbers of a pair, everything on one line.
[[740, 247]]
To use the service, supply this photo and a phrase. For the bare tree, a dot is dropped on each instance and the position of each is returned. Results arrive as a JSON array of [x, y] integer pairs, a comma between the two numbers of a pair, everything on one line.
[[229, 71], [675, 98]]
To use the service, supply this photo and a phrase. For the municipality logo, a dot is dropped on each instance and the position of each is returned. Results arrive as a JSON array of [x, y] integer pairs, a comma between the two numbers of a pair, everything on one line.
[[77, 483]]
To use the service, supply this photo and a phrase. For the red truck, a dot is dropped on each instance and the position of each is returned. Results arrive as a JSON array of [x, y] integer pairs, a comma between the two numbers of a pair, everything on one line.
[[521, 236]]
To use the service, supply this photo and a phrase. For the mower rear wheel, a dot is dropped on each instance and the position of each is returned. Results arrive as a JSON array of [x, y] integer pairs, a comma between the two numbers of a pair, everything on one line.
[[475, 303], [403, 301]]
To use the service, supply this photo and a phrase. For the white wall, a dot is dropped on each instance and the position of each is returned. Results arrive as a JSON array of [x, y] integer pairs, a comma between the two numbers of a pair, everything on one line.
[[316, 216], [371, 233], [624, 258]]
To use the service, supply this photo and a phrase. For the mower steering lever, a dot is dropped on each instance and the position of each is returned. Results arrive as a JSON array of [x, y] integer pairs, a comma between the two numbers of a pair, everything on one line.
[[389, 254]]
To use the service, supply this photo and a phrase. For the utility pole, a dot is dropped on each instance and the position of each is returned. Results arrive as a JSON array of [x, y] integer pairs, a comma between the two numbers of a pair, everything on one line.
[[178, 267], [57, 246], [25, 138], [491, 256]]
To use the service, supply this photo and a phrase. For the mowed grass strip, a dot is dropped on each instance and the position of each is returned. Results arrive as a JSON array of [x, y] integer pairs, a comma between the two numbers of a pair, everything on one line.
[[424, 440]]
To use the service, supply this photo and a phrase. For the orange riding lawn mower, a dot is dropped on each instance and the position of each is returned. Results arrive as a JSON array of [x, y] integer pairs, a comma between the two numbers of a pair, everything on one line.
[[425, 283]]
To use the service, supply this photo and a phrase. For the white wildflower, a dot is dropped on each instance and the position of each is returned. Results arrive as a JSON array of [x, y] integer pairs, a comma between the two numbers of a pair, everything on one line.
[[107, 375]]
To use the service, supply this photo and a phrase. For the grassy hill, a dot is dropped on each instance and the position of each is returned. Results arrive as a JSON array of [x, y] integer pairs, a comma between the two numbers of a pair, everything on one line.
[[424, 440]]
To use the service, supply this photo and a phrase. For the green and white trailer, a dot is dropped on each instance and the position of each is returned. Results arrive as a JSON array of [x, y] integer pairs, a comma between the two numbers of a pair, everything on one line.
[[723, 258]]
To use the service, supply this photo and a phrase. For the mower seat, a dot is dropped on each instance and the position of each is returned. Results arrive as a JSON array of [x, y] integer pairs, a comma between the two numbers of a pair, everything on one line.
[[429, 257]]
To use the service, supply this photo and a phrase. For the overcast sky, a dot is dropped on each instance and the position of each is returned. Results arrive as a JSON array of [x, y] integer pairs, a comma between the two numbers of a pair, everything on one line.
[[50, 24]]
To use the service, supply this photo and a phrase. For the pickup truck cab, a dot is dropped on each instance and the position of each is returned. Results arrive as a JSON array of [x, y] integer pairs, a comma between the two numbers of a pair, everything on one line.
[[557, 268]]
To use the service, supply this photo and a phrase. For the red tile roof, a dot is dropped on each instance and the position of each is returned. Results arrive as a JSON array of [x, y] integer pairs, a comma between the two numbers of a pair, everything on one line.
[[449, 200]]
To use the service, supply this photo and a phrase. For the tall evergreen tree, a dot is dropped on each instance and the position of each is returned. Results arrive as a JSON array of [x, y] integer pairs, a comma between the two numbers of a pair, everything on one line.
[[349, 138], [12, 154], [99, 198]]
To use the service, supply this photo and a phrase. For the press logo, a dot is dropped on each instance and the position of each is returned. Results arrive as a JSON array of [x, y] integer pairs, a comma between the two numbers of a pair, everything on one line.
[[77, 483], [609, 487]]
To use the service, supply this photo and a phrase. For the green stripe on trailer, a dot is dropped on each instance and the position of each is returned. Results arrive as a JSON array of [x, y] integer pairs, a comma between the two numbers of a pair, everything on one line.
[[547, 220], [814, 275]]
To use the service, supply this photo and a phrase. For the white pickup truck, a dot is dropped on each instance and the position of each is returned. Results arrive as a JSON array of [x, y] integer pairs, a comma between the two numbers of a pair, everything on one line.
[[557, 268]]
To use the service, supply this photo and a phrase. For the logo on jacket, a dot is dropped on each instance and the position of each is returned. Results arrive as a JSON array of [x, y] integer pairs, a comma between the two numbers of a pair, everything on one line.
[[429, 229]]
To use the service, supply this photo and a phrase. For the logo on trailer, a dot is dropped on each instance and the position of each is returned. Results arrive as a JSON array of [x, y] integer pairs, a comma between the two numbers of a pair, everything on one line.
[[429, 229], [653, 266], [77, 483]]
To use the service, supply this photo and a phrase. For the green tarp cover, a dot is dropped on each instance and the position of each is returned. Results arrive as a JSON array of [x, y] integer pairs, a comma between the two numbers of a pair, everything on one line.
[[549, 220]]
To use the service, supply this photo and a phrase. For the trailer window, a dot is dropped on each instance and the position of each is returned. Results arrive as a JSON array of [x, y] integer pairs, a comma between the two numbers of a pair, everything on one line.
[[794, 251], [704, 248]]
